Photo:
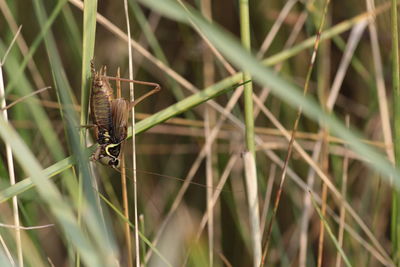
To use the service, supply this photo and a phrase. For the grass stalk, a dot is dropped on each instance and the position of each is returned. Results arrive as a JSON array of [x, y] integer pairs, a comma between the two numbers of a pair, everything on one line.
[[292, 138], [88, 37], [88, 41], [10, 161], [93, 216], [209, 121], [380, 83], [331, 235], [209, 191], [342, 212], [248, 88], [142, 243], [126, 206], [395, 224], [252, 201], [250, 160], [324, 196], [50, 194], [7, 252], [124, 188], [323, 82], [142, 236]]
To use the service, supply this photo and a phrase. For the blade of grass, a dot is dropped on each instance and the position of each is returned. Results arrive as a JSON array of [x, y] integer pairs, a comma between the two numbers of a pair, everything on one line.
[[345, 168], [10, 161], [123, 174], [331, 235], [93, 215], [142, 227], [380, 84], [142, 236], [88, 41], [49, 193], [395, 224], [37, 113], [89, 35]]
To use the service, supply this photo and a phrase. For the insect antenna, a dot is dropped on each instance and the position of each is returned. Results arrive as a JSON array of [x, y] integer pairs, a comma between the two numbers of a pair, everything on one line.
[[174, 178]]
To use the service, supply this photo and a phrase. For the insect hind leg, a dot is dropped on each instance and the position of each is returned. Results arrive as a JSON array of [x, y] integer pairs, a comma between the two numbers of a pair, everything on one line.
[[156, 88]]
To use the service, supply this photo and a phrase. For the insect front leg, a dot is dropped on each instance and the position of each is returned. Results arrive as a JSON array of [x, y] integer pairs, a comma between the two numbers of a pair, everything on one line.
[[96, 154]]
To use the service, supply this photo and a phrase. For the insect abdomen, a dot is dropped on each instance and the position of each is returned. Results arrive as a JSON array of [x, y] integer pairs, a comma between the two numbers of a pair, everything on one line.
[[101, 97], [101, 109]]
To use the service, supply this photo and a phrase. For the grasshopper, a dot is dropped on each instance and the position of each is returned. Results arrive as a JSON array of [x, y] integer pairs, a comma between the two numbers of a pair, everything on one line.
[[110, 115]]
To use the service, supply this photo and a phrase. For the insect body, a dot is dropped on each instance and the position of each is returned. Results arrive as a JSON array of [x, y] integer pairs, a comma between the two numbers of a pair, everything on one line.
[[110, 116]]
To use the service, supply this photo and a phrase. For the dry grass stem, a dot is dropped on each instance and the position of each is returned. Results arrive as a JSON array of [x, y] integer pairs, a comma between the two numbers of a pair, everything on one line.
[[10, 160]]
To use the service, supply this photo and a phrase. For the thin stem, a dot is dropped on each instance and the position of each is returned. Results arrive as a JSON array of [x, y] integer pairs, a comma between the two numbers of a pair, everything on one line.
[[248, 87], [25, 97], [250, 159], [142, 243], [395, 229], [10, 161], [292, 137], [132, 96], [342, 215], [209, 120], [125, 203]]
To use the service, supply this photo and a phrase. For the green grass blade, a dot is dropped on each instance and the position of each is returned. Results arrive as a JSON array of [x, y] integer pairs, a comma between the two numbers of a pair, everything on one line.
[[331, 235], [89, 34], [50, 195], [36, 111], [92, 215], [142, 236], [395, 227]]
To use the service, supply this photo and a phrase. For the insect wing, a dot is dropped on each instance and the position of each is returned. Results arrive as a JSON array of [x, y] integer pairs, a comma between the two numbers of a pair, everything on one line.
[[120, 113]]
